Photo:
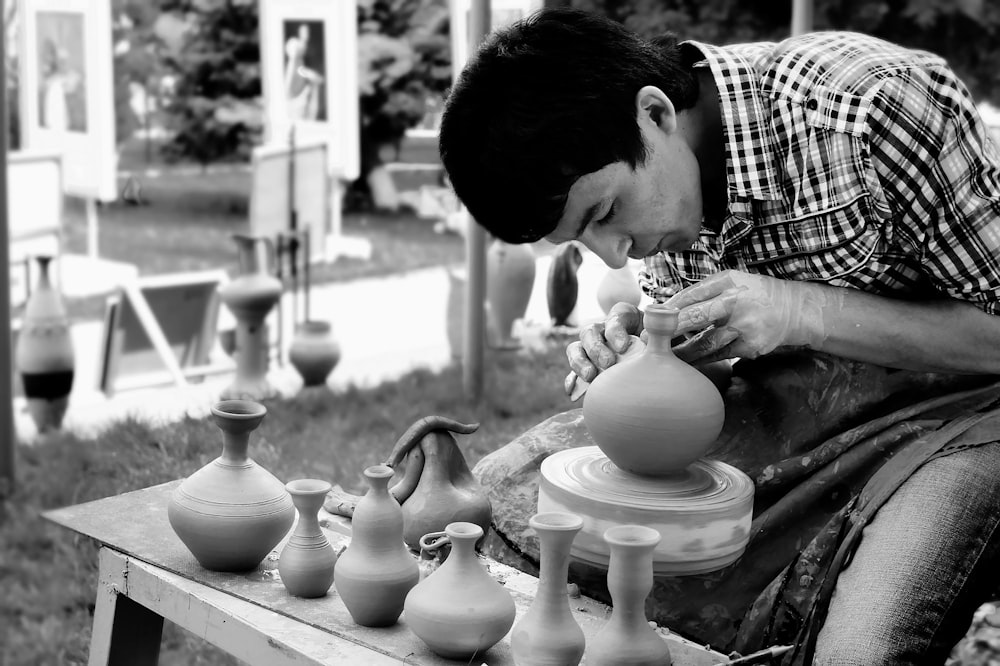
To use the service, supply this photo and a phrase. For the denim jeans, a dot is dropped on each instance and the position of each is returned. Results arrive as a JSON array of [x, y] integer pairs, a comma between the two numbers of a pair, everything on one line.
[[924, 564]]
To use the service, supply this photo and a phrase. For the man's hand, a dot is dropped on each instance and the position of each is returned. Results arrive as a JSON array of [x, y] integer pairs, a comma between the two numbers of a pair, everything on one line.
[[743, 315], [601, 344]]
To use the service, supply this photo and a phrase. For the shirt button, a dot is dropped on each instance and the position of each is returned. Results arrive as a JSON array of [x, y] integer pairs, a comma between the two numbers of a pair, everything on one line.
[[812, 105]]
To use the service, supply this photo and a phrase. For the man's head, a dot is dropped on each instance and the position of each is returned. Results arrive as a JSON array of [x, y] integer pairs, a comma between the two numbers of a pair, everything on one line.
[[555, 106]]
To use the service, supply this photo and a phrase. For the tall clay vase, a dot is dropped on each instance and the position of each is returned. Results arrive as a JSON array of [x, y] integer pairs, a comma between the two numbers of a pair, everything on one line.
[[376, 571], [459, 611], [510, 277], [653, 414], [627, 639], [307, 560], [232, 512], [44, 353], [314, 352], [619, 285], [548, 635], [250, 297]]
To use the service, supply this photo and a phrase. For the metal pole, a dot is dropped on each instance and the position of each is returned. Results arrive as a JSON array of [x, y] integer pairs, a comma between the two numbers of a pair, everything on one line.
[[802, 17], [8, 435], [475, 250]]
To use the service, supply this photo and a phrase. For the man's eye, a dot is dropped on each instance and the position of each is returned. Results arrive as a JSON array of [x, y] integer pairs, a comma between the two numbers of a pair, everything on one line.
[[611, 213]]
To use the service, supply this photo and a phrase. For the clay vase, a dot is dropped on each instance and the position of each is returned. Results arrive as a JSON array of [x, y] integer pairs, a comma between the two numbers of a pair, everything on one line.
[[627, 639], [618, 285], [314, 353], [459, 611], [307, 560], [653, 414], [232, 512], [563, 287], [44, 353], [548, 635], [376, 571], [250, 297], [510, 277]]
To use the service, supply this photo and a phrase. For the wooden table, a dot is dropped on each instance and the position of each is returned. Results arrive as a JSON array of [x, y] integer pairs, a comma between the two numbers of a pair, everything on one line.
[[146, 575]]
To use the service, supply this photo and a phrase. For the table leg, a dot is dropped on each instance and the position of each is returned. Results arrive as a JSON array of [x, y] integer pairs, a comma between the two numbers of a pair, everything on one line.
[[125, 633]]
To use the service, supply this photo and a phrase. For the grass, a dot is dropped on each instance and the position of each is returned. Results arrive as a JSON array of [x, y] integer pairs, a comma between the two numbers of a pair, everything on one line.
[[48, 575]]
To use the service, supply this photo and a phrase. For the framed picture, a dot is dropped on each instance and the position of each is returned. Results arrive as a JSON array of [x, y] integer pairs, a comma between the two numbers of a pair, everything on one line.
[[502, 13], [309, 75], [67, 100]]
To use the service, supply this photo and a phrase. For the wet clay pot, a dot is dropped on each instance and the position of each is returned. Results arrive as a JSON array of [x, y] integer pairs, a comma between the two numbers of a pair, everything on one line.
[[548, 635], [653, 414], [308, 559], [510, 277], [314, 352], [459, 610], [44, 353], [619, 285], [232, 512], [375, 573], [627, 639]]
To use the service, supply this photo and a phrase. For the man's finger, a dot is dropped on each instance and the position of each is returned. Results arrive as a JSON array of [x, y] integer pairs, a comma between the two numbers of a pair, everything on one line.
[[579, 362], [708, 288], [707, 344], [596, 349], [703, 314]]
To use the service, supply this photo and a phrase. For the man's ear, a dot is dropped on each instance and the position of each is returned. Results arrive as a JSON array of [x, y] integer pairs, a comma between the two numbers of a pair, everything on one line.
[[653, 105]]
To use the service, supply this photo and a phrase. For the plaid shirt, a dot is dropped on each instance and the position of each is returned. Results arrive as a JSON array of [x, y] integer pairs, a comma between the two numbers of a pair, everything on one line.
[[854, 162]]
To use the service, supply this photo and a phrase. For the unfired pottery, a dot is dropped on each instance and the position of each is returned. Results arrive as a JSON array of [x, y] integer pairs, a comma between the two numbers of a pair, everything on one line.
[[314, 352], [308, 559], [627, 639], [653, 414], [510, 276], [375, 573], [548, 635], [459, 610], [232, 512], [619, 285], [563, 287], [44, 353]]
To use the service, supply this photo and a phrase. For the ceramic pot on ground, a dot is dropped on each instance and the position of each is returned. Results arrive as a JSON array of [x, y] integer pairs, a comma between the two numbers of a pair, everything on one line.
[[510, 277], [548, 635], [375, 573], [617, 286], [250, 297], [653, 414], [44, 353], [459, 610], [308, 559], [627, 639], [314, 352], [232, 512]]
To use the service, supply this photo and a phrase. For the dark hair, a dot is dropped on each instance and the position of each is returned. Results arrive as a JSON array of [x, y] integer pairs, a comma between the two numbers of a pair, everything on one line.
[[543, 102]]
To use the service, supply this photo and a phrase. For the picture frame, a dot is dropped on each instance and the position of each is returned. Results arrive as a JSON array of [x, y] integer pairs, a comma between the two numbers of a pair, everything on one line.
[[502, 13], [67, 91], [309, 77]]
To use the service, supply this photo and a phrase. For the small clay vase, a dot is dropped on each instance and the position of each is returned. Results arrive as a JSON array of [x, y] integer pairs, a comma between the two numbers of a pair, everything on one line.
[[459, 611], [232, 512], [510, 277], [375, 573], [627, 639], [653, 414], [307, 560], [548, 635], [619, 285], [44, 353], [314, 352]]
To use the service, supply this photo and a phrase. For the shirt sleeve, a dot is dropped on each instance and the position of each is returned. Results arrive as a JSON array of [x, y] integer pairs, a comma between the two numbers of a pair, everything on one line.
[[939, 168]]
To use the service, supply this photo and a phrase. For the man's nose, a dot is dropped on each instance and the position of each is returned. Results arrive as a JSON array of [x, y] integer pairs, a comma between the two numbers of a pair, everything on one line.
[[612, 250]]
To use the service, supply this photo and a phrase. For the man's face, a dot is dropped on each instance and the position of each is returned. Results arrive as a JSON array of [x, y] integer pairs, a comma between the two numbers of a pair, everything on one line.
[[619, 213]]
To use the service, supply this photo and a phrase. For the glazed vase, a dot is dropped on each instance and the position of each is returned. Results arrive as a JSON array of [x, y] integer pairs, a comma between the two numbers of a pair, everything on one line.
[[375, 573], [627, 639], [510, 277], [548, 635], [307, 561], [250, 297], [459, 610], [314, 352], [619, 285], [44, 353], [232, 512], [652, 414]]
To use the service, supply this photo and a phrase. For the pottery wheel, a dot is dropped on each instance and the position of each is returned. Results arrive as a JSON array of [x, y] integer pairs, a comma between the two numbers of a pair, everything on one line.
[[703, 512]]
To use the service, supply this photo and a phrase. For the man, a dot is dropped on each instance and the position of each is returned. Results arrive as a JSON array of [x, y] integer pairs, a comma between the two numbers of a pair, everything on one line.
[[827, 210]]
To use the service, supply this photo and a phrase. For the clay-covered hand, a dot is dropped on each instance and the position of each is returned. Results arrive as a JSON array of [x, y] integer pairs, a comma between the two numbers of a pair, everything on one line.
[[743, 315], [602, 344]]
